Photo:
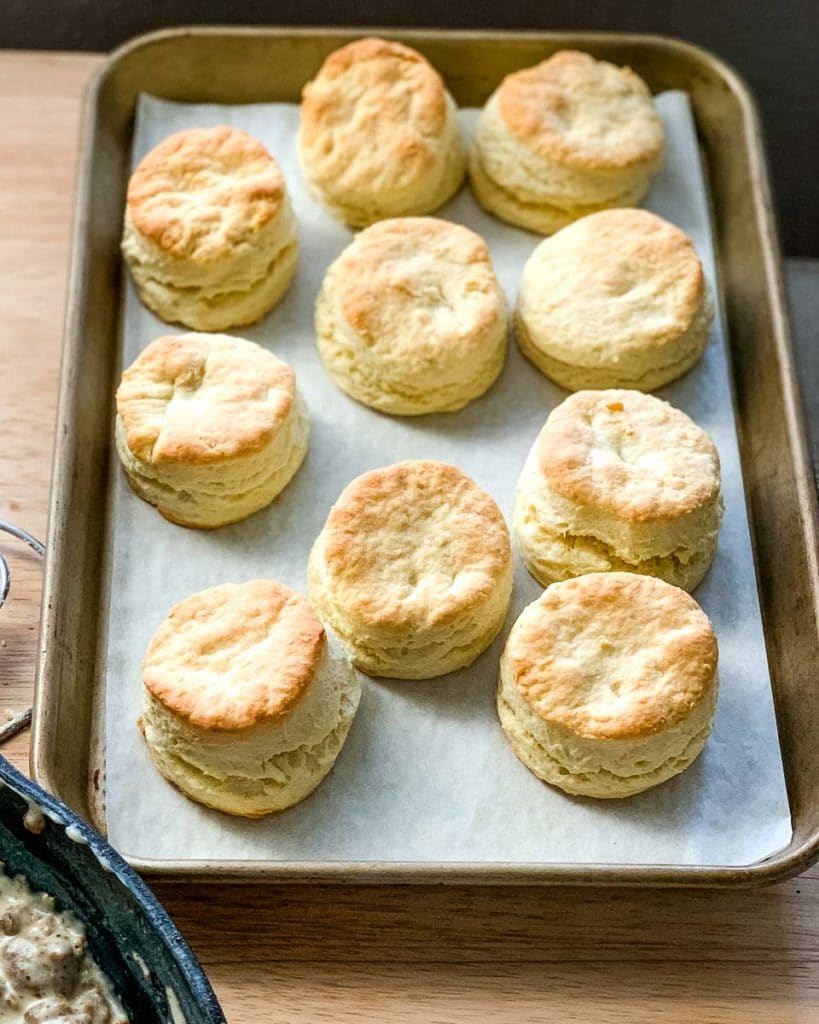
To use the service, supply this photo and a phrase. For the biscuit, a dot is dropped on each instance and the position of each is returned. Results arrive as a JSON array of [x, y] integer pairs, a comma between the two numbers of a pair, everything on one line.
[[209, 234], [565, 138], [246, 702], [616, 300], [411, 319], [619, 480], [379, 134], [608, 684], [209, 428], [412, 570]]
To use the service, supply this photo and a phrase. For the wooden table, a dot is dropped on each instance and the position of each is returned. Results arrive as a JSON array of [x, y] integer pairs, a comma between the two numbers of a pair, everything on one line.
[[359, 954]]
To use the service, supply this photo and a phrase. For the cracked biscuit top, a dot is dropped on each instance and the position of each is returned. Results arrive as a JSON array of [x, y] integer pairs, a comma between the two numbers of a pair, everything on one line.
[[629, 454], [203, 398], [203, 193]]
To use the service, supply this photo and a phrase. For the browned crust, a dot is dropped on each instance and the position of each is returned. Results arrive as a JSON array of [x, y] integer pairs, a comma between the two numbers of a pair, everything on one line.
[[613, 655], [245, 393], [538, 103], [393, 528], [376, 95], [235, 655], [197, 177], [565, 457]]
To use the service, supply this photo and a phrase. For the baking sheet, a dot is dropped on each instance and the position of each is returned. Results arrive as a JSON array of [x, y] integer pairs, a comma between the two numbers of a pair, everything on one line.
[[426, 774]]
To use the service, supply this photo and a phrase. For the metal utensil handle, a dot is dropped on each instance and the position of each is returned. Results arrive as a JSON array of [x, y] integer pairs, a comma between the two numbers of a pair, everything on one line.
[[23, 535], [22, 719]]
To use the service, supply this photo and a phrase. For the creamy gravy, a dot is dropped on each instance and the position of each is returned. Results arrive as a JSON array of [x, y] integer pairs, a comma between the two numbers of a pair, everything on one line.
[[47, 974]]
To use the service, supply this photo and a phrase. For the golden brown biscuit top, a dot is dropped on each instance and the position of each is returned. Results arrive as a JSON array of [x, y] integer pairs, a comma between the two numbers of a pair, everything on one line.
[[371, 115], [203, 192], [235, 655], [416, 284], [202, 398], [613, 656], [582, 112], [615, 281], [629, 454], [415, 543]]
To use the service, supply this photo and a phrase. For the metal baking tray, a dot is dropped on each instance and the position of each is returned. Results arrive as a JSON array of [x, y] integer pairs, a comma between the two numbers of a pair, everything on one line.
[[223, 65]]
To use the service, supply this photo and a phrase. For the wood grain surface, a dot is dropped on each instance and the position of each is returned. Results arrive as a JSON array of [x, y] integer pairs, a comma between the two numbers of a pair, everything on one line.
[[365, 954]]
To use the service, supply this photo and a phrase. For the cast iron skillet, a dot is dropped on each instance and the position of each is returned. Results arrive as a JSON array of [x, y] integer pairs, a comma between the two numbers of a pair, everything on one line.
[[133, 940], [131, 937]]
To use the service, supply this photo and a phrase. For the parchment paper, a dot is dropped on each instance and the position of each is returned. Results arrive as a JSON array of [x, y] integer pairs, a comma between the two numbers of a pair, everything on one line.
[[426, 774]]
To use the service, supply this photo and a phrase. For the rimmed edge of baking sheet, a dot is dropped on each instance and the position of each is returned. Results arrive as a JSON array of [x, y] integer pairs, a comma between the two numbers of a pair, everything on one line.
[[70, 640]]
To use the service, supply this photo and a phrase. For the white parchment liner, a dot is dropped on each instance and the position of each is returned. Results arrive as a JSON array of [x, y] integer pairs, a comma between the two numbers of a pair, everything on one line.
[[426, 774]]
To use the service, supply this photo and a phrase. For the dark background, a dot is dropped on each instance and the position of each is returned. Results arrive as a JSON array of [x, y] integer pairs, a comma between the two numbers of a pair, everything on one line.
[[773, 43]]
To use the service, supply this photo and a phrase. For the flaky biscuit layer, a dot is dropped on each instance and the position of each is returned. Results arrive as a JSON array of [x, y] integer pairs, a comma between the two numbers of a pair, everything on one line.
[[535, 214]]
